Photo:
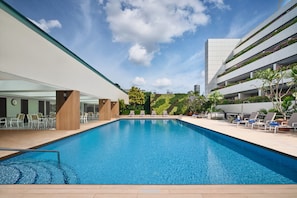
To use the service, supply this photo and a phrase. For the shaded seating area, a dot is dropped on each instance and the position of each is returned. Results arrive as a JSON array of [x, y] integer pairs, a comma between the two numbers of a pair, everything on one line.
[[29, 121], [38, 121]]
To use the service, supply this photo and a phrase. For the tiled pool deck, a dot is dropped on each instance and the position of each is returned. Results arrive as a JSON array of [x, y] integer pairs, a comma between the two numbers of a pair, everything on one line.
[[282, 142]]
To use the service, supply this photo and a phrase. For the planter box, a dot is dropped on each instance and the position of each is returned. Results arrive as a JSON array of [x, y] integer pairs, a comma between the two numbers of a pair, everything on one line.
[[216, 116]]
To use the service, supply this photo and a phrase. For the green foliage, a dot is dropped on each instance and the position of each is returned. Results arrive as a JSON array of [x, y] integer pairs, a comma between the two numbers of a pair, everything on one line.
[[263, 111], [122, 106], [136, 96], [172, 103], [275, 89], [158, 103], [214, 98]]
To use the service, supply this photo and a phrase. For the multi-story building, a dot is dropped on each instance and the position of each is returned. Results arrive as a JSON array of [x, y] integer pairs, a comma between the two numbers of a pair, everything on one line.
[[231, 63], [197, 89]]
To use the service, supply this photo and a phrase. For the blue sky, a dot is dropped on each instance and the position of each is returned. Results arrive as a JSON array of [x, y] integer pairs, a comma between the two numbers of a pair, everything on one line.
[[156, 45]]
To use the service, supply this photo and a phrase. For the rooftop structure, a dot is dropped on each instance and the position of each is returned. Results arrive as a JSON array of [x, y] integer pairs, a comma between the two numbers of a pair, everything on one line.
[[231, 63], [34, 67]]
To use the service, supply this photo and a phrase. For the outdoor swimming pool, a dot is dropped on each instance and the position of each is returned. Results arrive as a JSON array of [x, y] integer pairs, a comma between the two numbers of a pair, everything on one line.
[[151, 152]]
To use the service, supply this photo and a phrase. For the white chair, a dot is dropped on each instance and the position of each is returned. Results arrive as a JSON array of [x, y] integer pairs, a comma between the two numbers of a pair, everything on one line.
[[19, 120], [84, 117], [3, 121], [30, 123], [34, 120], [165, 113], [37, 122], [51, 122], [42, 123]]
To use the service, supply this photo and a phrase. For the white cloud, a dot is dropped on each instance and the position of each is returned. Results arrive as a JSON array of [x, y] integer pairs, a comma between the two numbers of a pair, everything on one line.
[[138, 81], [139, 55], [218, 4], [162, 82], [238, 30], [147, 23], [47, 25]]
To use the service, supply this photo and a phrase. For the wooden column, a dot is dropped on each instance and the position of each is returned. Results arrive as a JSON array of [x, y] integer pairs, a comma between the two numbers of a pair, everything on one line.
[[104, 109], [68, 110], [115, 109]]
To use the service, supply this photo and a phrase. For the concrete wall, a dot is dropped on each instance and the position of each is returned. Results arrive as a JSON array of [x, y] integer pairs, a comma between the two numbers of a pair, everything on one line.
[[12, 110], [245, 108], [216, 52]]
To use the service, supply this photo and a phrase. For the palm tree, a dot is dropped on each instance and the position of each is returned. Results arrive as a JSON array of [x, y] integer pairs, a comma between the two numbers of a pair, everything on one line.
[[214, 98]]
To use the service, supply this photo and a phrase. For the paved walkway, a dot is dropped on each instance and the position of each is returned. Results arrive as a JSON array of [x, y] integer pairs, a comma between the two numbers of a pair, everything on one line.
[[282, 142], [285, 142]]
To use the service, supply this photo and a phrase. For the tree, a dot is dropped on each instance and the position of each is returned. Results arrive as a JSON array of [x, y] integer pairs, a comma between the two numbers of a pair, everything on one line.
[[275, 88], [122, 105], [214, 98], [136, 96], [195, 101]]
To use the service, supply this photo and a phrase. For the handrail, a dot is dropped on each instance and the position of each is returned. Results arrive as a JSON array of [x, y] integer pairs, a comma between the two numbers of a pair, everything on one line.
[[31, 150]]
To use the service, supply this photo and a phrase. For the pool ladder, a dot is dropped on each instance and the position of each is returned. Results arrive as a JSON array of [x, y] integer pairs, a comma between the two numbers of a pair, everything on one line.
[[32, 150]]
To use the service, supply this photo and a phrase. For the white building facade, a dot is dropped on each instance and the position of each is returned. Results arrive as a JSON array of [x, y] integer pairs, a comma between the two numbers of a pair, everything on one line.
[[231, 63]]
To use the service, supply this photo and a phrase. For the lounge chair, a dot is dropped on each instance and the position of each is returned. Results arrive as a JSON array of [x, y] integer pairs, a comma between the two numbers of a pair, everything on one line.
[[202, 115], [291, 123], [165, 113], [252, 119], [142, 113], [132, 113], [266, 122], [153, 113]]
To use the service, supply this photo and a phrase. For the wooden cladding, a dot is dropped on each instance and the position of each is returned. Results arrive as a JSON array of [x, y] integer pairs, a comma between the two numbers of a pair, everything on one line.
[[68, 110], [104, 109], [115, 109]]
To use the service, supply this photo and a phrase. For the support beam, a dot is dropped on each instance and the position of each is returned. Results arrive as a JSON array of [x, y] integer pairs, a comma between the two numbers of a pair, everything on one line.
[[115, 109], [68, 110], [104, 109]]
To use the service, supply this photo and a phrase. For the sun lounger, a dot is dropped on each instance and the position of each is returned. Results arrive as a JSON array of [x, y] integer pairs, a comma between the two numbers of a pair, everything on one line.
[[252, 119], [267, 120], [142, 113], [291, 123], [132, 113], [153, 113]]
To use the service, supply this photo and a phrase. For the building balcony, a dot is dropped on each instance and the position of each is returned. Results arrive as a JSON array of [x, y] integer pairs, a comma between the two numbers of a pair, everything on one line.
[[288, 32], [241, 87], [276, 57], [276, 24]]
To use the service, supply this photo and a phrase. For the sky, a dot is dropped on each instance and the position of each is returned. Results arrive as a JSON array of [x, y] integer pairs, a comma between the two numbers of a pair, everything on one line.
[[156, 45]]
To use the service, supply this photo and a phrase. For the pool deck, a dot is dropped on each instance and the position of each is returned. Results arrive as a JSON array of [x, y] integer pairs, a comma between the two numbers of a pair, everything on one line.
[[285, 142]]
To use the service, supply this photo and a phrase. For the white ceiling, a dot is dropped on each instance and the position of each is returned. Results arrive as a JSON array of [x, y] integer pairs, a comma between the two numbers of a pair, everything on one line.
[[34, 65]]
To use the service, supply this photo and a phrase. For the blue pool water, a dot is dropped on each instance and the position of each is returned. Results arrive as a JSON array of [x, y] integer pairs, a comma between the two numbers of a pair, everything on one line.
[[151, 152]]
